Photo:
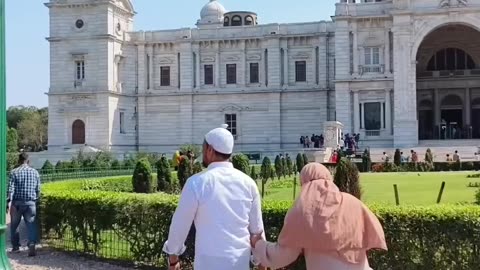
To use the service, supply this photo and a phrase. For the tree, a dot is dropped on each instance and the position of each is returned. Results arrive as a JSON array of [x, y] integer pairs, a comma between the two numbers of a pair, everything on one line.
[[366, 161], [290, 170], [185, 170], [32, 132], [12, 140], [397, 158], [253, 173], [300, 162], [59, 167], [305, 160], [241, 163], [347, 178], [47, 167], [164, 175], [265, 170], [195, 149], [284, 167], [278, 167], [142, 177]]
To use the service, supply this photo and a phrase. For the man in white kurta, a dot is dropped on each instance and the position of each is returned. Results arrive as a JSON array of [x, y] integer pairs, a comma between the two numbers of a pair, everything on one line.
[[224, 205]]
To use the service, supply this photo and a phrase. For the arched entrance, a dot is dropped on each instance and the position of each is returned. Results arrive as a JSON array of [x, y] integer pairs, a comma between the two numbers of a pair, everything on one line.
[[78, 132], [448, 79]]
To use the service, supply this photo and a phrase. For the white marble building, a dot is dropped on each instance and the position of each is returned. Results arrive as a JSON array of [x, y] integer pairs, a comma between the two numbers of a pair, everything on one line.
[[394, 71]]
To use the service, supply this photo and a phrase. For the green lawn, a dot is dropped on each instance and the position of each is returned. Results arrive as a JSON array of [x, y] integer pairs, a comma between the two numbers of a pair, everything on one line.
[[414, 188]]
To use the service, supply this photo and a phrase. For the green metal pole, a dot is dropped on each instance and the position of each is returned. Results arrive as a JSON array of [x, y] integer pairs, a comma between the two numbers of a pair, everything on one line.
[[4, 262]]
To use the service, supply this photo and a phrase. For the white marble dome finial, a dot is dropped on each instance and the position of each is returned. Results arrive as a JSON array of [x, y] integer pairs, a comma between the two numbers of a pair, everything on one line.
[[212, 12]]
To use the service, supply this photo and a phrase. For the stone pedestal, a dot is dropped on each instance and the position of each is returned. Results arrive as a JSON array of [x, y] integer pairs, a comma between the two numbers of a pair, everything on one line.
[[333, 133]]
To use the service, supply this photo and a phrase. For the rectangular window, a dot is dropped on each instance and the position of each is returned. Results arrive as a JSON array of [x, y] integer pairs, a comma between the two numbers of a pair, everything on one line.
[[231, 73], [372, 119], [122, 122], [372, 56], [301, 71], [254, 78], [231, 121], [80, 70], [361, 120], [208, 76], [164, 76]]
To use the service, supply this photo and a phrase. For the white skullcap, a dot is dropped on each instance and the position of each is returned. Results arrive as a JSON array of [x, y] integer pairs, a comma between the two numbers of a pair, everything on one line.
[[221, 140]]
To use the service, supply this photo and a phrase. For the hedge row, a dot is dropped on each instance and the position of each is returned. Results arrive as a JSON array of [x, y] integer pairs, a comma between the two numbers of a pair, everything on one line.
[[133, 227], [418, 167]]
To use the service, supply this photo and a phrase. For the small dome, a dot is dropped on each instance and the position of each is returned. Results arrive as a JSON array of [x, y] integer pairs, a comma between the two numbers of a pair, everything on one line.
[[213, 10]]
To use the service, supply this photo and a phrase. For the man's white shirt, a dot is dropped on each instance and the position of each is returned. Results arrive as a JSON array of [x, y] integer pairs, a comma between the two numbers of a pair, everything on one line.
[[225, 206]]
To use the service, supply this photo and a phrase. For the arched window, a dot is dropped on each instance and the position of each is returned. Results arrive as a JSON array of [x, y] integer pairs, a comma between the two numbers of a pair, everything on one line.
[[249, 20], [226, 21], [452, 100], [451, 59], [78, 132], [236, 20]]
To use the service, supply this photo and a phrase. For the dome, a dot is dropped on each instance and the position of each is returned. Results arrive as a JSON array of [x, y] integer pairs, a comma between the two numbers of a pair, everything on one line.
[[213, 11]]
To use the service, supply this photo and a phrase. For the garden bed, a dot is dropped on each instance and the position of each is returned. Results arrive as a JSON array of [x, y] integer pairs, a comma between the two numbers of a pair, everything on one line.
[[127, 226]]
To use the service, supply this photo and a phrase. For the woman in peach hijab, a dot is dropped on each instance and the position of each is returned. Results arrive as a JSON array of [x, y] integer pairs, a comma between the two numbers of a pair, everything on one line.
[[334, 230]]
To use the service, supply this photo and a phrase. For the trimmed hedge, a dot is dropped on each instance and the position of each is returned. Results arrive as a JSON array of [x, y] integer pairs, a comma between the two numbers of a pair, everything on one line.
[[439, 237]]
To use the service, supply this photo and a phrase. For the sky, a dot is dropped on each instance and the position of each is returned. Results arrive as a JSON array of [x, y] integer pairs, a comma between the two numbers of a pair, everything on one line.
[[27, 28]]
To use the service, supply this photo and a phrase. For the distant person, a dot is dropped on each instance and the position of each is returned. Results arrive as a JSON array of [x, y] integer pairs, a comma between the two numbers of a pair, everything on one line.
[[307, 141], [456, 157], [225, 206], [414, 157], [477, 157], [385, 157], [449, 159], [403, 158], [23, 194]]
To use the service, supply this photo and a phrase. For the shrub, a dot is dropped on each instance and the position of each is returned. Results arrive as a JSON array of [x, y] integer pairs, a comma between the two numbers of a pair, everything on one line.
[[266, 170], [347, 178], [397, 158], [116, 165], [289, 166], [47, 167], [164, 175], [366, 161], [195, 149], [300, 162], [185, 170], [429, 160], [284, 167], [278, 167], [305, 159], [241, 163], [197, 168], [59, 167], [142, 177], [128, 163], [253, 173], [436, 237], [12, 161], [477, 197]]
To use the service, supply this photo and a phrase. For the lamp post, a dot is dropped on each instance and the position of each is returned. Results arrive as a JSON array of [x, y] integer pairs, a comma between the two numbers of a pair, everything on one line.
[[4, 262]]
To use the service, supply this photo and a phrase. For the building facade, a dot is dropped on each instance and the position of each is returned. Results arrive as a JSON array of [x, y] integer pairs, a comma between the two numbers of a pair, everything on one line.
[[394, 71]]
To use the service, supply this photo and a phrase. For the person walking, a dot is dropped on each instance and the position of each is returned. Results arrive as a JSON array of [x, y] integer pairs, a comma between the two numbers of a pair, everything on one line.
[[334, 230], [224, 205], [23, 194]]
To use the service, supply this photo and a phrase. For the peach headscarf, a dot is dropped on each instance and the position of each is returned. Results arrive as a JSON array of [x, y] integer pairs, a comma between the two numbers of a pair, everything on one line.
[[326, 220]]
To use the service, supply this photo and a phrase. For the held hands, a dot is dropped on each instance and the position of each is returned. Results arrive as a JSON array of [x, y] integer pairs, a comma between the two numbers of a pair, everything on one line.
[[174, 263], [254, 238], [175, 267]]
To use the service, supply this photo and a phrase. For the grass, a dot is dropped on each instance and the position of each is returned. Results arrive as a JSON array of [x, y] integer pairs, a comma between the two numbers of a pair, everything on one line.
[[414, 188]]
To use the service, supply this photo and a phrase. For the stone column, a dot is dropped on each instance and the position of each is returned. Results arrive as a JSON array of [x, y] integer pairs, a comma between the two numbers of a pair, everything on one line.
[[150, 66], [436, 109], [387, 52], [217, 67], [356, 113], [243, 80], [285, 67], [468, 107], [197, 68], [388, 111], [142, 78], [405, 86], [274, 69], [356, 61]]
